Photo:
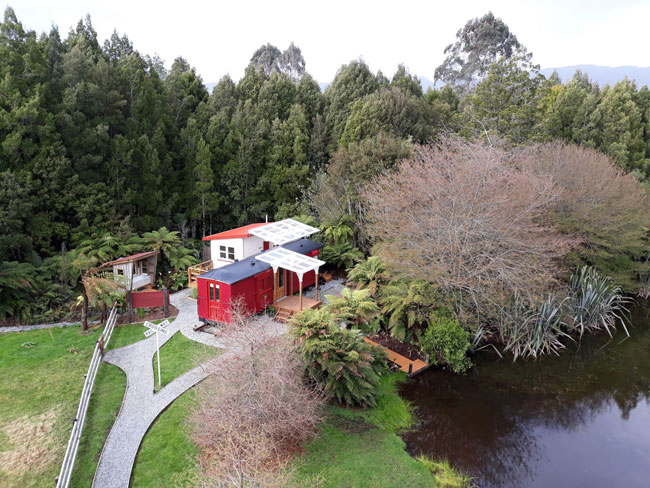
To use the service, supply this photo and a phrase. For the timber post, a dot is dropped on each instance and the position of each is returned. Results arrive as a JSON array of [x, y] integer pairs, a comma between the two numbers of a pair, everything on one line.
[[165, 302], [275, 277], [129, 305]]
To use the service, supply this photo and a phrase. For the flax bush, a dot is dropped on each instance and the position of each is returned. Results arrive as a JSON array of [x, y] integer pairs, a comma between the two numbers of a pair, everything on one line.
[[595, 303]]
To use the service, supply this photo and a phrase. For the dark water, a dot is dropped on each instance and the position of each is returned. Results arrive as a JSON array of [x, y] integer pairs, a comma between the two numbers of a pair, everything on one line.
[[579, 420]]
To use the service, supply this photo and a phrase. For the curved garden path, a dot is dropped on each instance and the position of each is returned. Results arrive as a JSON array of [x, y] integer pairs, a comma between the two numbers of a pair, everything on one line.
[[140, 405]]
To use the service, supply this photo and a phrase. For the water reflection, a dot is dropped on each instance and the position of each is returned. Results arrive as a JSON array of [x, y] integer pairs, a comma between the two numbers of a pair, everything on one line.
[[582, 419]]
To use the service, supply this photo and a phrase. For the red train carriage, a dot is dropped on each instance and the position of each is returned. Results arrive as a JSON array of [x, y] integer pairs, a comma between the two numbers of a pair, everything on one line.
[[255, 281]]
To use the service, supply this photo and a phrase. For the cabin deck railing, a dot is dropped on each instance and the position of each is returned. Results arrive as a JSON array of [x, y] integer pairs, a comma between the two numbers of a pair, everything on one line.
[[196, 270]]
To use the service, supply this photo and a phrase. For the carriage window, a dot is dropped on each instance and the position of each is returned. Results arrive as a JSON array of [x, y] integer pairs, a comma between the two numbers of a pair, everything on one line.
[[214, 292]]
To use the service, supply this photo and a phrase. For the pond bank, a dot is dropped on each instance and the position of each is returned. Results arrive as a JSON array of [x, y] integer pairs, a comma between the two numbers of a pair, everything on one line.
[[581, 419]]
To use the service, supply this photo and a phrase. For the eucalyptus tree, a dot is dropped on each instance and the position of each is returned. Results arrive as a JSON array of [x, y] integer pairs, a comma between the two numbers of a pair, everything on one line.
[[479, 44]]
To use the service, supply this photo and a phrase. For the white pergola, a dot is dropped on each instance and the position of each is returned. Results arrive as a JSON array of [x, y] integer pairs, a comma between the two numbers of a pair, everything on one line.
[[284, 231], [291, 261]]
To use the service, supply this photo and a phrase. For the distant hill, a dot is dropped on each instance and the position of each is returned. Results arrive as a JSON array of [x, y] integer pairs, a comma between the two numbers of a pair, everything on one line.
[[603, 75]]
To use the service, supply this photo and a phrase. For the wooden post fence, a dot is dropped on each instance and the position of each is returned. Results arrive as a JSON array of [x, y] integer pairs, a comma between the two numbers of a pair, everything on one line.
[[63, 480]]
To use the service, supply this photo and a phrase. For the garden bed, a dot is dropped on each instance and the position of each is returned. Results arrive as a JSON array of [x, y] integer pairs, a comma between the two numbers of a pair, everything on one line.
[[407, 350], [153, 313]]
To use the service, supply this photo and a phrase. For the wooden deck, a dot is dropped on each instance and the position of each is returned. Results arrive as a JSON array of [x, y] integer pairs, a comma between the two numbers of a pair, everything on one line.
[[196, 270], [405, 364], [289, 306]]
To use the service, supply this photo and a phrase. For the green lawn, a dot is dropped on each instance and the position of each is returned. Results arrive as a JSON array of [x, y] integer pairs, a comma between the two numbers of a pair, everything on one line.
[[167, 456], [42, 376], [361, 448], [179, 355], [104, 406]]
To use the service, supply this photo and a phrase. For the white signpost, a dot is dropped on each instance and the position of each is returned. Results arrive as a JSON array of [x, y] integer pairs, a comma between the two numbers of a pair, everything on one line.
[[155, 329]]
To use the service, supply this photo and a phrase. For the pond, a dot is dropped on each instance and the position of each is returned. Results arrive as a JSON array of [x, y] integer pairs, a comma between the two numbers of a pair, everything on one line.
[[579, 420]]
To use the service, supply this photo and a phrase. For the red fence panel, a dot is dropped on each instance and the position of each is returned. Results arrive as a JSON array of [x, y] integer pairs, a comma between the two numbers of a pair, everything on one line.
[[148, 299]]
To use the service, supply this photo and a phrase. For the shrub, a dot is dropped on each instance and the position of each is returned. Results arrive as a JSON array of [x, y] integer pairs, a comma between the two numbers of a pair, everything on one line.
[[447, 343], [338, 358], [356, 308], [595, 303]]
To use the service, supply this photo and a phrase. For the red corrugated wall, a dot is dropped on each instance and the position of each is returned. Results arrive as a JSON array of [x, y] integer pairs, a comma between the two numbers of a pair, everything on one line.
[[202, 297], [147, 299]]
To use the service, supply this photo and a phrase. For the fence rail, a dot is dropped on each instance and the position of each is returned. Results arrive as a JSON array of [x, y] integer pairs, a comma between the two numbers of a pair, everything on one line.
[[63, 480], [196, 270]]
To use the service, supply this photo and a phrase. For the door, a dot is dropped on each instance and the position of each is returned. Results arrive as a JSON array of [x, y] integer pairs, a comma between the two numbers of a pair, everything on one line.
[[280, 282], [214, 300], [264, 290]]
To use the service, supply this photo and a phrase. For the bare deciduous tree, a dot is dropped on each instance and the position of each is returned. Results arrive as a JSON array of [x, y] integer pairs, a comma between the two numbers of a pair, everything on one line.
[[461, 215], [599, 203], [255, 411]]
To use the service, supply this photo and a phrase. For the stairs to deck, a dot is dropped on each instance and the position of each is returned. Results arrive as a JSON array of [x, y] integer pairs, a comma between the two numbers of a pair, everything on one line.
[[283, 315]]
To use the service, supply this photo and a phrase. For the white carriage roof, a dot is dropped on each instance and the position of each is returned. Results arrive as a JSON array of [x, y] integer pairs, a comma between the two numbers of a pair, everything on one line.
[[281, 257], [284, 231]]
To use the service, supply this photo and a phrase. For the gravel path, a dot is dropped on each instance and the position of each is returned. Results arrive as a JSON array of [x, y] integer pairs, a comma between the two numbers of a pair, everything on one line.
[[23, 328], [140, 406], [332, 287]]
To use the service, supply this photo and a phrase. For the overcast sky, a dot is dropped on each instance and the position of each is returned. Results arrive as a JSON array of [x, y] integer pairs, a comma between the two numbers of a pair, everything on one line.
[[219, 37]]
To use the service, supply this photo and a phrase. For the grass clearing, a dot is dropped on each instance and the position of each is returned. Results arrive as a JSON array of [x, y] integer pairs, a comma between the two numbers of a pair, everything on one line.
[[361, 448], [167, 455], [178, 355], [42, 371], [42, 375]]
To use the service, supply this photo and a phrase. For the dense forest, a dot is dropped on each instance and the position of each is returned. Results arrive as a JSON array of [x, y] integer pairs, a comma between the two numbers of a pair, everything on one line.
[[100, 140]]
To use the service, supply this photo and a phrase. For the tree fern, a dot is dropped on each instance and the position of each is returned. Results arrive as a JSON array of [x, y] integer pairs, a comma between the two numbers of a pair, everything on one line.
[[406, 303], [368, 274], [338, 358], [356, 307]]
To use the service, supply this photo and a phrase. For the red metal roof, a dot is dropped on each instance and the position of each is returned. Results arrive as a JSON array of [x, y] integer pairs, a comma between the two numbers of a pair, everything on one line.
[[134, 257], [238, 233]]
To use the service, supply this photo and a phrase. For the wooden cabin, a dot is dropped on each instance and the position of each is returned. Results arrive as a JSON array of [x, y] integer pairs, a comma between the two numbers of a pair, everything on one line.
[[282, 262], [137, 271]]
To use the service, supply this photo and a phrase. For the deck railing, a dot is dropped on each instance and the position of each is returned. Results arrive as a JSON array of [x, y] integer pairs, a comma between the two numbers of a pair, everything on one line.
[[63, 480], [196, 270]]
